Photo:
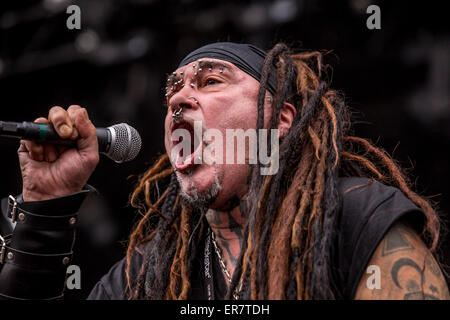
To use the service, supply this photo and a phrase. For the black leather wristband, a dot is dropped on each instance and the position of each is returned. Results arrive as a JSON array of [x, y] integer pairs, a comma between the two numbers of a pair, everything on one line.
[[34, 258]]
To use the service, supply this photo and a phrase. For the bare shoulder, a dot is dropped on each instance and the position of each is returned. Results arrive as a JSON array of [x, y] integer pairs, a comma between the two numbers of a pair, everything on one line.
[[402, 268]]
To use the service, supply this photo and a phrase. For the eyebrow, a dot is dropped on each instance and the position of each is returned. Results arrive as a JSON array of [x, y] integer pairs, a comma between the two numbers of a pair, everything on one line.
[[172, 79], [214, 64]]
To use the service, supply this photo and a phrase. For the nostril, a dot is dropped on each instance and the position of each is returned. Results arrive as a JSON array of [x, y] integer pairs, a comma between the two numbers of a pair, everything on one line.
[[185, 105]]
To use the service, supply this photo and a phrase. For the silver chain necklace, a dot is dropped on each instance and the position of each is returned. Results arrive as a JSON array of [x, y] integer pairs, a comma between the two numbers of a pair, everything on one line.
[[224, 267]]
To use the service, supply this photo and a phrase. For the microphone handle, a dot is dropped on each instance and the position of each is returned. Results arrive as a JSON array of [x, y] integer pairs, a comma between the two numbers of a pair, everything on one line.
[[45, 133]]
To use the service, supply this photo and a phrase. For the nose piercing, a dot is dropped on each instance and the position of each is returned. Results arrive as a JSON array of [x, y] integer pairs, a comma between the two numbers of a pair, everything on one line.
[[177, 115], [195, 100]]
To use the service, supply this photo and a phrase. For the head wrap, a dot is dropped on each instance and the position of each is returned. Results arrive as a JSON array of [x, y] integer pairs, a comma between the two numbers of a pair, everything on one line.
[[246, 57]]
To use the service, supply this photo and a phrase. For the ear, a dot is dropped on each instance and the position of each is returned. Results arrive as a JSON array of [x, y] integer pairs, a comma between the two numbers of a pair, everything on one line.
[[287, 115]]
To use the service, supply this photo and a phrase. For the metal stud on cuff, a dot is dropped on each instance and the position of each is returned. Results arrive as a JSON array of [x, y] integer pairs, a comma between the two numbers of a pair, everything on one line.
[[2, 250], [14, 209], [65, 260]]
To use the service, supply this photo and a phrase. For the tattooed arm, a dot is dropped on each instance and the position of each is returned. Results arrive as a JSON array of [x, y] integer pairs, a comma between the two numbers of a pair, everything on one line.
[[406, 268]]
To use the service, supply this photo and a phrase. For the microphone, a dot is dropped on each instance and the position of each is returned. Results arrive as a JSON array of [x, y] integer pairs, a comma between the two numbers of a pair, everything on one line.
[[120, 142]]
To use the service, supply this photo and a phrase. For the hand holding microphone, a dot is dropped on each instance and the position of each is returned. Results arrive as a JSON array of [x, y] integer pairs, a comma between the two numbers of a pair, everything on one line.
[[55, 168]]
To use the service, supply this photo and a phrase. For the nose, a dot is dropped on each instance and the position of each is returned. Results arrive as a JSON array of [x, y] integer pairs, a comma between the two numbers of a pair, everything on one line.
[[184, 99]]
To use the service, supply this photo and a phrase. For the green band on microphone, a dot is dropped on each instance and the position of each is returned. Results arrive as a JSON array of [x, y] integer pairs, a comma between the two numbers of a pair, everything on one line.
[[42, 131]]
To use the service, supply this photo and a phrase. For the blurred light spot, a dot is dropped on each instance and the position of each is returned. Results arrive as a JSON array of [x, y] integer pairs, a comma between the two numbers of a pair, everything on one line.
[[254, 16], [87, 41], [138, 45], [208, 20], [283, 11], [55, 5], [8, 20], [360, 6]]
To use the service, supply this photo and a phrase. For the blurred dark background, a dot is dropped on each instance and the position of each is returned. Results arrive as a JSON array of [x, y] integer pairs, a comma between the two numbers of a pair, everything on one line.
[[396, 81]]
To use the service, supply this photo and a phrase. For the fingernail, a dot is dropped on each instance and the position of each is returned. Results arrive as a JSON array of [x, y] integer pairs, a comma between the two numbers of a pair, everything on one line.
[[64, 129]]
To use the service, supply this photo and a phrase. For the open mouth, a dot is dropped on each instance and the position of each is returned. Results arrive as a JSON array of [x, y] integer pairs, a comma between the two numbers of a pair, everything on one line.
[[189, 154]]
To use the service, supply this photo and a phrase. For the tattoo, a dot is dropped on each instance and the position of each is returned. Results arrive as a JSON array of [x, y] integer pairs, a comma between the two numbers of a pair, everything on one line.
[[434, 289], [231, 204], [214, 218], [402, 262], [419, 296], [395, 241], [414, 272], [226, 245], [243, 208], [228, 228], [412, 285], [414, 289]]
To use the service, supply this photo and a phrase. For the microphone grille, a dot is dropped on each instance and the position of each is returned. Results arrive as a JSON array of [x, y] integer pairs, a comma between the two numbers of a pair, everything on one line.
[[125, 143]]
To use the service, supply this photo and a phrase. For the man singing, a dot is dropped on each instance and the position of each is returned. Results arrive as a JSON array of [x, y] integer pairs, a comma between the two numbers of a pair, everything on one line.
[[335, 219]]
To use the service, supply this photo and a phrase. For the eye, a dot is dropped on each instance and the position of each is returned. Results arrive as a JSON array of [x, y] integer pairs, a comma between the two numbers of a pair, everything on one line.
[[211, 81]]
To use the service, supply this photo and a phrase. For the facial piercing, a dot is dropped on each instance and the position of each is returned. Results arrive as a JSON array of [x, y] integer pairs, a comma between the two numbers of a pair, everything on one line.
[[192, 85], [177, 115], [195, 100]]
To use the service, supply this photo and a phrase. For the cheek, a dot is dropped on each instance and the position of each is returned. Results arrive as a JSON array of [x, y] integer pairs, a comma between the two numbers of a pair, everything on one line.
[[229, 113], [166, 132]]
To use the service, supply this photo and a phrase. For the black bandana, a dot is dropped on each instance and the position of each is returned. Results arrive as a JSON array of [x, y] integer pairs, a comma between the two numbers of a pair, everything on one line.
[[246, 57]]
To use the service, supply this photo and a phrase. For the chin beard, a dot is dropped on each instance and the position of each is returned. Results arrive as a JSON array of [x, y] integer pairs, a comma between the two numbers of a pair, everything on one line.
[[201, 201]]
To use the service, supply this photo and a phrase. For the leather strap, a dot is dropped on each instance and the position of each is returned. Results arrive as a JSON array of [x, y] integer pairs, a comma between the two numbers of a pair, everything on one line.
[[17, 214], [30, 260]]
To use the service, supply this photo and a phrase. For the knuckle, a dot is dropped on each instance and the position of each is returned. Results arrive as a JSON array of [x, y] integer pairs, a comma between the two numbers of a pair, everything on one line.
[[72, 110], [55, 110], [83, 112]]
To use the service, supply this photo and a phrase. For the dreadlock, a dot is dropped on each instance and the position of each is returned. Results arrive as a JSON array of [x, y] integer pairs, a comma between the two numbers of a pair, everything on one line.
[[292, 215]]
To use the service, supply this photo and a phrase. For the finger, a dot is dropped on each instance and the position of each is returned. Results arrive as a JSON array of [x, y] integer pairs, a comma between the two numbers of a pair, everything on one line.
[[60, 120], [35, 149], [41, 120], [86, 129], [50, 153], [72, 111]]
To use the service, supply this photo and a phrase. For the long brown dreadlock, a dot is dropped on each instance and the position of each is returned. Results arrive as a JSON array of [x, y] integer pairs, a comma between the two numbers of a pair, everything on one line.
[[292, 215]]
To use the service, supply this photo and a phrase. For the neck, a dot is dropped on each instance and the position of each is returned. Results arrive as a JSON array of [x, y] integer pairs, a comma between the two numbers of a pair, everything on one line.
[[228, 227]]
